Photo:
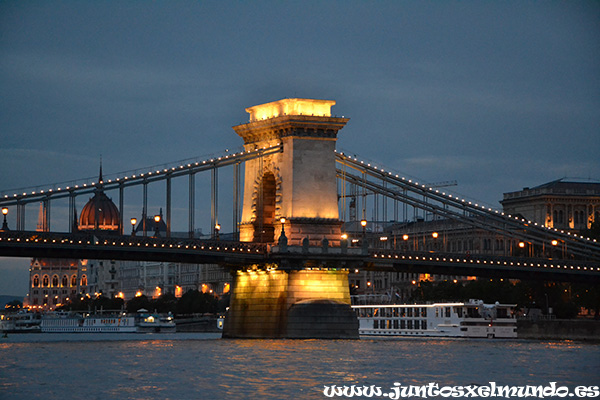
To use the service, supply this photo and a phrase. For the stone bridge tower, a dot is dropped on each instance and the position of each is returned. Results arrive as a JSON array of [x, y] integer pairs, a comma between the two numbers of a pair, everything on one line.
[[299, 294], [298, 184]]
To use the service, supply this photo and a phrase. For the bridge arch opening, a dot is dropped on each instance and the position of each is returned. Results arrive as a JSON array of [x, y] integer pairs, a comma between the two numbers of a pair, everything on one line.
[[264, 230]]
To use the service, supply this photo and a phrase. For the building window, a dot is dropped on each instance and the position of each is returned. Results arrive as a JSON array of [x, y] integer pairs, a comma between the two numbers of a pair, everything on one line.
[[55, 281], [561, 217], [46, 281], [36, 281], [65, 281], [83, 280], [74, 280]]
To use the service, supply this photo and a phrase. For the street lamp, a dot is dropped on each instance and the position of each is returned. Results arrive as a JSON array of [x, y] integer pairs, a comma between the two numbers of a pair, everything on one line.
[[282, 242], [282, 220], [217, 229], [157, 220], [5, 224], [133, 222]]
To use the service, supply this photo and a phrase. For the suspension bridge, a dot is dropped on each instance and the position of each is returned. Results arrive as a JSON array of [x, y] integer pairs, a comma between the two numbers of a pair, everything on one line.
[[301, 207]]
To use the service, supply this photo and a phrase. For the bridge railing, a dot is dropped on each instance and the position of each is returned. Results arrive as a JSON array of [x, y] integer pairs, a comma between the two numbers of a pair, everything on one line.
[[99, 238], [388, 256]]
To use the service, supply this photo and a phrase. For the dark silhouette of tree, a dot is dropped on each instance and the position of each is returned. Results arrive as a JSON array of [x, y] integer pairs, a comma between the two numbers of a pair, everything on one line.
[[165, 303], [138, 303], [13, 305], [194, 302]]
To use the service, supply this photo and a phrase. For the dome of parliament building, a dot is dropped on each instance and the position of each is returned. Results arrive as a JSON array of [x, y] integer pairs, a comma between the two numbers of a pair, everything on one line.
[[102, 208], [106, 211]]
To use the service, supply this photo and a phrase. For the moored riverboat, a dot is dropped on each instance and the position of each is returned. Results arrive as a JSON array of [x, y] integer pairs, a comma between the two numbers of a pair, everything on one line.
[[469, 319], [61, 322], [147, 322], [20, 322]]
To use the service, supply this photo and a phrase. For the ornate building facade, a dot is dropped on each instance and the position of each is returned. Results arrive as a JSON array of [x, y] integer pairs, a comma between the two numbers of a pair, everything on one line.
[[566, 205], [154, 279], [55, 281]]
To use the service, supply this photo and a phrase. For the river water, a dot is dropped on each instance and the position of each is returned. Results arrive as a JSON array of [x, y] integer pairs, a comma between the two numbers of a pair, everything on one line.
[[203, 366]]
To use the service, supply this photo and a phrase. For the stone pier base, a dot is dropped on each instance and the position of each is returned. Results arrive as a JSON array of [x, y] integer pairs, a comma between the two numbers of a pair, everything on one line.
[[273, 303]]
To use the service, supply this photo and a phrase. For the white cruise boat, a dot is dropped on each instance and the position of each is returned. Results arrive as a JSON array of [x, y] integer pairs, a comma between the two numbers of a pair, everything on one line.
[[155, 322], [78, 323], [20, 322], [472, 319]]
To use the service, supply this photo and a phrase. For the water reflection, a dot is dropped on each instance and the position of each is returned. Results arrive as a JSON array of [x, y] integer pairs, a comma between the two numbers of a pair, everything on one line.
[[274, 369]]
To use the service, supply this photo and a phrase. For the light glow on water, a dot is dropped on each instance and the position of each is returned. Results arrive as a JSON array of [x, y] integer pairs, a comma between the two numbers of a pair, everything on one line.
[[201, 366]]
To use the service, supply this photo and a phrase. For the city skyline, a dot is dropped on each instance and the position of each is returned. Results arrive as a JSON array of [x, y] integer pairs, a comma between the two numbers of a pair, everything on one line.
[[495, 96]]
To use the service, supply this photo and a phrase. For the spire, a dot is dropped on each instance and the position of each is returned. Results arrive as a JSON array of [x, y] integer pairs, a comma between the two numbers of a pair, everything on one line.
[[75, 226], [40, 224], [100, 176]]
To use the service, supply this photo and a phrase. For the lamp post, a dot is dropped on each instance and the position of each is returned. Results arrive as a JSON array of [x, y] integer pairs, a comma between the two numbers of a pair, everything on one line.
[[282, 220], [156, 220], [283, 241], [363, 223], [133, 222], [5, 224], [344, 242], [217, 229]]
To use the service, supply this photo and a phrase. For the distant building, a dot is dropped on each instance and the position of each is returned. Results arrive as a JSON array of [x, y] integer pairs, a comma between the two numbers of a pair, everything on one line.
[[53, 281], [154, 279], [56, 281], [566, 205]]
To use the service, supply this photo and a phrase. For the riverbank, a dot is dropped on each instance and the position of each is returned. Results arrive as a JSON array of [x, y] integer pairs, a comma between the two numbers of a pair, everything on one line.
[[559, 329]]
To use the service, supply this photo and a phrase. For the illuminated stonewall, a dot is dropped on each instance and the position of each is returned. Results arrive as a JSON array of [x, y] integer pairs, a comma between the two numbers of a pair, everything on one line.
[[298, 184], [305, 297], [272, 303]]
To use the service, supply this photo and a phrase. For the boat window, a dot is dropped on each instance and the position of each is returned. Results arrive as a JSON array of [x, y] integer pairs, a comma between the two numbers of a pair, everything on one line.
[[402, 324], [409, 312], [403, 312], [458, 311], [447, 312], [423, 324], [424, 312], [501, 313], [472, 312], [409, 324], [437, 312], [395, 324]]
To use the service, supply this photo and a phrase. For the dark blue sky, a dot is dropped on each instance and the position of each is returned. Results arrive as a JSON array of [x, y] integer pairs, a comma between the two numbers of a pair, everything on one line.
[[496, 95]]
